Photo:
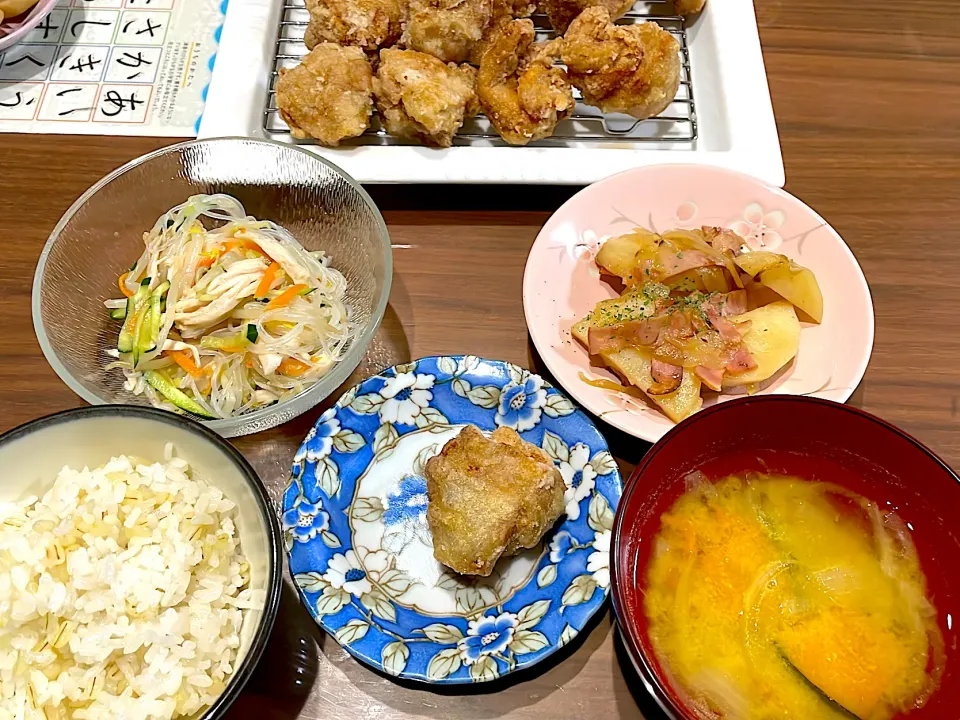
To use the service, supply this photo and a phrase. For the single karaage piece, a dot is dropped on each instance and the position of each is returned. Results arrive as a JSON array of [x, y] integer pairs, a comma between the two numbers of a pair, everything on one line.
[[422, 98], [368, 24], [446, 29], [522, 93], [632, 69], [689, 7], [503, 12], [489, 498], [562, 12], [329, 95], [514, 8]]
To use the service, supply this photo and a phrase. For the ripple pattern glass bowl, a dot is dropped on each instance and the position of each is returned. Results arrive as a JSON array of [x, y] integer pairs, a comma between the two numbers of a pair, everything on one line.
[[33, 454], [102, 234], [809, 438]]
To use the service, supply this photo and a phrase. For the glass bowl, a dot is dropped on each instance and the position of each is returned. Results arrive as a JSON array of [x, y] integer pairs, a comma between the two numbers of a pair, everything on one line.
[[33, 454], [808, 438], [102, 233]]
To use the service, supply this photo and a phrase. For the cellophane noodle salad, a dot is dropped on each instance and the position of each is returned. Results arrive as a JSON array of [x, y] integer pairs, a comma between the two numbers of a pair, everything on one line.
[[123, 594], [225, 314]]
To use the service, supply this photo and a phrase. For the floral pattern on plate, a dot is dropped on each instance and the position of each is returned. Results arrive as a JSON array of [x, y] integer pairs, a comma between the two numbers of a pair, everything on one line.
[[360, 548], [562, 282]]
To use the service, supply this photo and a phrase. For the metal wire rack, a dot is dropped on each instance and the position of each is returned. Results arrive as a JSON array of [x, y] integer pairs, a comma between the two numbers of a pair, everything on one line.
[[676, 127]]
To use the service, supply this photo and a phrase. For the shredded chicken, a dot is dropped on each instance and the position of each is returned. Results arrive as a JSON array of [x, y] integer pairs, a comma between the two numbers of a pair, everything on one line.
[[196, 323]]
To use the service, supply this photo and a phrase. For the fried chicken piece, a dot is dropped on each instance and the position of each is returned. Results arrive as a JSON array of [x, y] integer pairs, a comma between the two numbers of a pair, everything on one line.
[[562, 12], [503, 12], [489, 498], [521, 91], [512, 9], [632, 69], [689, 7], [329, 95], [446, 29], [368, 24], [419, 97]]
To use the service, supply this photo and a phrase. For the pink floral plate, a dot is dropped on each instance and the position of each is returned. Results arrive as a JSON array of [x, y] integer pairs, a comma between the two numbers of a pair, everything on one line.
[[562, 283]]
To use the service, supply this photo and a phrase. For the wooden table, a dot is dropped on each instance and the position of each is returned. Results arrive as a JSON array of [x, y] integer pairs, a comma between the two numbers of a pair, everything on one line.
[[867, 98]]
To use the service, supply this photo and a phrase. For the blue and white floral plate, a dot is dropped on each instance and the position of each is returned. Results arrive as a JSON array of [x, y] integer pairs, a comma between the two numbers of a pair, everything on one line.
[[360, 549]]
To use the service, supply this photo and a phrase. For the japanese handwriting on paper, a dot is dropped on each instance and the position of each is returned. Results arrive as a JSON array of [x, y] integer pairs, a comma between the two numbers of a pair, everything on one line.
[[80, 63], [151, 4], [128, 64], [69, 101], [138, 27], [123, 103], [27, 62], [96, 27], [26, 58], [19, 101], [50, 28], [114, 103]]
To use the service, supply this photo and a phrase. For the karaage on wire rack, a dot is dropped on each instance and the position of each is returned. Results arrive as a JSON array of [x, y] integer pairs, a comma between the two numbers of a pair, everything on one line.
[[368, 24], [328, 96], [422, 98], [503, 12], [514, 8], [521, 91], [632, 69], [446, 29], [489, 498], [562, 12], [689, 7]]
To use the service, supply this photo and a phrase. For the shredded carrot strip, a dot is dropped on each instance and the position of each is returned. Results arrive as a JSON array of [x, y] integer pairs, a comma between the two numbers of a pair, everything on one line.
[[208, 259], [123, 288], [185, 360], [242, 243], [284, 298], [268, 277], [249, 361], [292, 368]]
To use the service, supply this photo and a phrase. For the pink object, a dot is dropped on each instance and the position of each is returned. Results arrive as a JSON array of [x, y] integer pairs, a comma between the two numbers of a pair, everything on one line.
[[13, 30], [562, 283]]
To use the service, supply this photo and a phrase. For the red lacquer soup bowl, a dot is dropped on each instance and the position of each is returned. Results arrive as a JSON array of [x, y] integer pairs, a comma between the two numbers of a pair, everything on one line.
[[808, 438]]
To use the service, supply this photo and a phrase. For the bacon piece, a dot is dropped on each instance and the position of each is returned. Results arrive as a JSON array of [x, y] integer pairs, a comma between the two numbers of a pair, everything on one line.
[[733, 303], [674, 262], [727, 304], [667, 377], [723, 239], [741, 361], [728, 331], [713, 379], [616, 337]]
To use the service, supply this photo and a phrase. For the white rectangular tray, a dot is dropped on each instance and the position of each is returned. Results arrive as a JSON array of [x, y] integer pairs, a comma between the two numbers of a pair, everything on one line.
[[723, 115]]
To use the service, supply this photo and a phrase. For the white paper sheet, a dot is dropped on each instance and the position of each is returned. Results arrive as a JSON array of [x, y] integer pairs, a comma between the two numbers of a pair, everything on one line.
[[113, 67]]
